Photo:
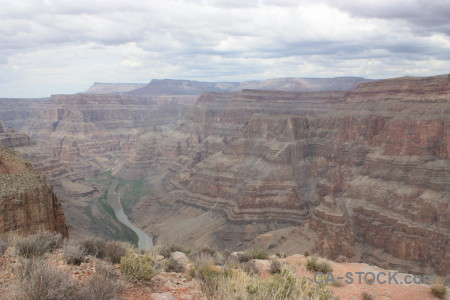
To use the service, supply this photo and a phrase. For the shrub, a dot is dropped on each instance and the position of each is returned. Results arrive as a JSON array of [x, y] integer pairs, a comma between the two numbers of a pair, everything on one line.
[[244, 257], [275, 267], [73, 253], [260, 254], [101, 287], [174, 265], [106, 270], [312, 264], [39, 281], [281, 255], [38, 244], [366, 296], [439, 290], [3, 246], [137, 266], [114, 251], [306, 253], [94, 247], [208, 251], [165, 252]]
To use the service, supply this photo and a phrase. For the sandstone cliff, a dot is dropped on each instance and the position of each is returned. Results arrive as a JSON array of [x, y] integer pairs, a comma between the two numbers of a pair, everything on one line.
[[362, 175], [27, 201]]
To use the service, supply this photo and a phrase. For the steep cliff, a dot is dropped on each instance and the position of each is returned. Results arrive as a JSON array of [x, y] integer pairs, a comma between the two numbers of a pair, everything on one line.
[[364, 174], [27, 201]]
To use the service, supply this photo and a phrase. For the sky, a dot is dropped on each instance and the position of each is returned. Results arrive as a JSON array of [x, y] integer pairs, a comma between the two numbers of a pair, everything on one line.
[[63, 46]]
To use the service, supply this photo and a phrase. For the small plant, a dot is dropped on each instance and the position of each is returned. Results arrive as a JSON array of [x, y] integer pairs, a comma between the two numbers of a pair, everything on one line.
[[244, 257], [174, 265], [260, 254], [106, 270], [281, 255], [94, 247], [38, 244], [114, 251], [312, 264], [3, 246], [39, 281], [165, 252], [275, 267], [366, 296], [137, 266], [73, 253], [306, 253], [102, 286], [438, 290]]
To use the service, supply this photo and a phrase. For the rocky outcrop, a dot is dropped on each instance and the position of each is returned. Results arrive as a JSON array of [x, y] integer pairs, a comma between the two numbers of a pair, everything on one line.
[[27, 202], [113, 88], [13, 139]]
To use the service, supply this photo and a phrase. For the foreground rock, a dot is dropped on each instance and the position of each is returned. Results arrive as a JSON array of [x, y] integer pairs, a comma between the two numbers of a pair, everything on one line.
[[27, 202]]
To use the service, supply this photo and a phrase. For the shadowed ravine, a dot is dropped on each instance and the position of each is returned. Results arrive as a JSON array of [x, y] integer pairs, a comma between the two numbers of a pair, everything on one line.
[[145, 241]]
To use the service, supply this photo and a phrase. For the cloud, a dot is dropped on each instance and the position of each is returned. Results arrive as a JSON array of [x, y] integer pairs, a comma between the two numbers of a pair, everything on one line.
[[64, 46]]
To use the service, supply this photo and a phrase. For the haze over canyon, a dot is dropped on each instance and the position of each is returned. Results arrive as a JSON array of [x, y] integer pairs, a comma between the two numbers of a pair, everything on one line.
[[346, 168]]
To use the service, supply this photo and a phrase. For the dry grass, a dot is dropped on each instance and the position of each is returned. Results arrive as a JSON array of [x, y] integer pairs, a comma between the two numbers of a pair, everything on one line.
[[37, 244], [438, 290], [138, 266], [40, 281], [73, 252]]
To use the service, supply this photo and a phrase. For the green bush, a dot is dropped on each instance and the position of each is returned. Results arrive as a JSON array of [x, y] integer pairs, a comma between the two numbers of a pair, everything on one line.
[[260, 254], [313, 264], [38, 244], [439, 290], [137, 266]]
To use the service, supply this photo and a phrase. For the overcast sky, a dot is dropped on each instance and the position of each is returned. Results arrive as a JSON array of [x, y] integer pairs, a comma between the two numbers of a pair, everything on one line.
[[63, 46]]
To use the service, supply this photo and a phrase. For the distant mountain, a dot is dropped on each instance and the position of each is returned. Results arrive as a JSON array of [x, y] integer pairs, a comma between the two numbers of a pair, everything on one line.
[[189, 87], [113, 88]]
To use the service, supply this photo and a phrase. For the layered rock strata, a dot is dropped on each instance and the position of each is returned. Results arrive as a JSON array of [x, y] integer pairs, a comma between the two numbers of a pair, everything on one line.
[[27, 202], [367, 172]]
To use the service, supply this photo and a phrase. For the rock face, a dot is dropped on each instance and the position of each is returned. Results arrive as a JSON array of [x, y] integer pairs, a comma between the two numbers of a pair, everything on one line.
[[365, 172], [27, 201], [189, 87], [113, 88]]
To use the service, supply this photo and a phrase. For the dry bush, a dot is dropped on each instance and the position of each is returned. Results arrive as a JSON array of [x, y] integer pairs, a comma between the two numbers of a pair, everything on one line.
[[94, 247], [260, 254], [244, 257], [137, 266], [104, 285], [275, 266], [224, 284], [165, 251], [114, 251], [40, 281], [73, 253], [367, 296], [38, 244], [312, 264], [3, 246], [106, 270], [175, 266], [439, 290]]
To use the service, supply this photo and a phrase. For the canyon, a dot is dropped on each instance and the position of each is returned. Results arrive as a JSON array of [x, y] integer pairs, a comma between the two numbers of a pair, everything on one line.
[[347, 168]]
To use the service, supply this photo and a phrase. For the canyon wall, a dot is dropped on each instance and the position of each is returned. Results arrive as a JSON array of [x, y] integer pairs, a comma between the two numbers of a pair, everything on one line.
[[366, 173], [27, 202]]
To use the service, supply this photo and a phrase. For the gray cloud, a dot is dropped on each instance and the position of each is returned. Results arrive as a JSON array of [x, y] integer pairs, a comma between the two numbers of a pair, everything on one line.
[[63, 46]]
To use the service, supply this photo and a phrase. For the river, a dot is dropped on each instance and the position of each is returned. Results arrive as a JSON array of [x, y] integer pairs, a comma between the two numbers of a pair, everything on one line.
[[145, 241]]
